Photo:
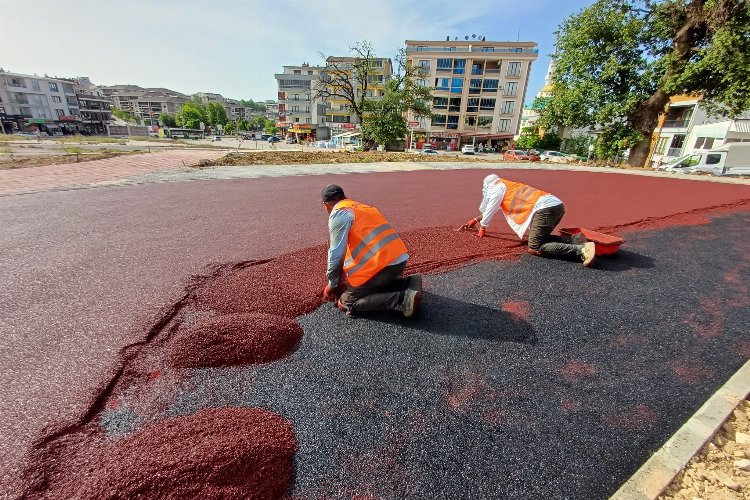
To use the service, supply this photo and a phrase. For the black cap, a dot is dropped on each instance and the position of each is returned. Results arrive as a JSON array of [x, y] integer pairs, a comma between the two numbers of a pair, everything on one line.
[[332, 192]]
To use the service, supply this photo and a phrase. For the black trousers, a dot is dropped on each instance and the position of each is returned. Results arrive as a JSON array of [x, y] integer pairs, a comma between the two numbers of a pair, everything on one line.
[[383, 292], [542, 240]]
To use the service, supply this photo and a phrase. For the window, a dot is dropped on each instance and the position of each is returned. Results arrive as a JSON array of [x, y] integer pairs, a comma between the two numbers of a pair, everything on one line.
[[455, 104], [308, 120], [459, 66], [53, 87], [491, 85], [475, 86], [424, 65], [296, 97], [296, 120], [440, 102], [444, 64], [72, 101], [68, 88], [488, 49], [472, 105], [511, 88], [441, 83], [484, 121], [449, 49], [487, 104], [470, 121], [422, 48], [307, 109], [503, 126], [2, 110], [295, 108], [704, 143], [35, 85], [438, 119], [56, 98], [477, 69], [297, 71], [310, 73], [60, 112], [452, 122], [713, 159], [507, 108], [517, 49], [421, 82], [457, 85], [514, 69]]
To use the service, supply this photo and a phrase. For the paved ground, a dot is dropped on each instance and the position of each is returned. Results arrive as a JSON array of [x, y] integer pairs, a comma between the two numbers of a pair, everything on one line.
[[96, 172], [88, 271]]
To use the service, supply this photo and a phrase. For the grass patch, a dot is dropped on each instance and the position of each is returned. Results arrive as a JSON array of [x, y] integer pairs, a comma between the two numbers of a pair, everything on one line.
[[90, 140]]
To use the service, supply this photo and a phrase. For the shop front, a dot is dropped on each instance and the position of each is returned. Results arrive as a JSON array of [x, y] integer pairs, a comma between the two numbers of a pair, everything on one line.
[[446, 141], [11, 123], [302, 132], [68, 124], [487, 142]]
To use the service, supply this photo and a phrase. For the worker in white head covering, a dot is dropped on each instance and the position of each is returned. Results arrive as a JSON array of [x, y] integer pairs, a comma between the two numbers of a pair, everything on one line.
[[527, 208]]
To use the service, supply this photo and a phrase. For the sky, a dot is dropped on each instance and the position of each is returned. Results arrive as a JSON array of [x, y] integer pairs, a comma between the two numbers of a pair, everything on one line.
[[234, 48]]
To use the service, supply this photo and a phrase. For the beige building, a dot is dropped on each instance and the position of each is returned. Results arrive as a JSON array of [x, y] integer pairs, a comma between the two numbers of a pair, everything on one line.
[[478, 92], [299, 113], [339, 116], [145, 103]]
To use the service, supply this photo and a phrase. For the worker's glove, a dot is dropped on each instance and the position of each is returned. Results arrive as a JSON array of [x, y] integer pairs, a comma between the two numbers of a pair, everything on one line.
[[480, 233], [329, 293], [470, 224]]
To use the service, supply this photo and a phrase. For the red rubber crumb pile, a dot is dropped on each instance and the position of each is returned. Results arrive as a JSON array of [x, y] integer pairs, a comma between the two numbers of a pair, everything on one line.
[[215, 453], [233, 339]]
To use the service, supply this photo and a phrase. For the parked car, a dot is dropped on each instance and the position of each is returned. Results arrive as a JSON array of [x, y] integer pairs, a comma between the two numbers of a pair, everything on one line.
[[555, 156], [216, 138], [467, 149], [272, 139], [291, 140], [428, 151], [520, 155], [729, 159], [153, 134]]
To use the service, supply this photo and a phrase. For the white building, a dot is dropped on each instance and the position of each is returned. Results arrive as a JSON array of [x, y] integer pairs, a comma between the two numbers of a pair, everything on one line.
[[299, 113]]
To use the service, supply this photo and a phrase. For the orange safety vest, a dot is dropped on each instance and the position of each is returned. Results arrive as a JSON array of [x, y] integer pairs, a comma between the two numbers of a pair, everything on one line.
[[519, 200], [372, 244]]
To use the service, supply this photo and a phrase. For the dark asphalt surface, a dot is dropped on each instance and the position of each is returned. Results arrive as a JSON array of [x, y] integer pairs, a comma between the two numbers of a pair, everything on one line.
[[529, 379], [86, 272]]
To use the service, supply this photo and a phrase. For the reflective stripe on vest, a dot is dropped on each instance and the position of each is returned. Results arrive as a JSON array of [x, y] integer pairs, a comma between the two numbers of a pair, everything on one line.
[[372, 244], [519, 200]]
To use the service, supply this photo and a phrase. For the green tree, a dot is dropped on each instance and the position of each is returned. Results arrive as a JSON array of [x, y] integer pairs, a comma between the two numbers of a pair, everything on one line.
[[619, 61], [229, 128], [529, 138], [167, 120], [216, 113], [243, 125], [249, 103], [270, 128], [124, 115], [385, 118], [260, 122], [191, 114]]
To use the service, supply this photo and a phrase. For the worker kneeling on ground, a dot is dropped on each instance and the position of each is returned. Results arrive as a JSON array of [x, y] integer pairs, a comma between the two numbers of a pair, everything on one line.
[[372, 256], [529, 208]]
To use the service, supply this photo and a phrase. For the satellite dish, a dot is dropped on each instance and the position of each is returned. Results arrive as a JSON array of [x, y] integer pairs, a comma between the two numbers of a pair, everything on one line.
[[466, 37], [473, 36]]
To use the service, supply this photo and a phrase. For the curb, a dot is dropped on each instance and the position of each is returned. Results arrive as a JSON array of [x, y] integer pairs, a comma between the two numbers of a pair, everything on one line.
[[657, 473]]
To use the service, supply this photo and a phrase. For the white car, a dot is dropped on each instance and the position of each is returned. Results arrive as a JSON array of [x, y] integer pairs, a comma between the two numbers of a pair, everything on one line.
[[468, 149], [555, 156]]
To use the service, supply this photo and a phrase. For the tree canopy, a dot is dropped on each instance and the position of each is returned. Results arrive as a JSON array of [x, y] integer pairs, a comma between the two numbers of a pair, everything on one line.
[[619, 61]]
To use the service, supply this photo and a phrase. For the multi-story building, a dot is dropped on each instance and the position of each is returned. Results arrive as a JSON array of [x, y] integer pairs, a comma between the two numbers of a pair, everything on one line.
[[30, 102], [686, 126], [299, 112], [478, 90], [96, 109], [272, 109], [339, 116], [145, 103]]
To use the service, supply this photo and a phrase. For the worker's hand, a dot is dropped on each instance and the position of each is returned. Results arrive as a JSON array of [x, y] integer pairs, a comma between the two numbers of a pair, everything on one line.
[[480, 233], [469, 224], [329, 293]]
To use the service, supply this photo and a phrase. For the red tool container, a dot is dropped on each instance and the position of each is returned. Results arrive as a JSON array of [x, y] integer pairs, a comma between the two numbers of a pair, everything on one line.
[[606, 244]]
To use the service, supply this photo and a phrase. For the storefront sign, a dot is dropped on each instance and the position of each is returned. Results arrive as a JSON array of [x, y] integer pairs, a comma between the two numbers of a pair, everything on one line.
[[414, 124], [345, 125], [67, 118], [443, 135], [40, 121], [282, 124]]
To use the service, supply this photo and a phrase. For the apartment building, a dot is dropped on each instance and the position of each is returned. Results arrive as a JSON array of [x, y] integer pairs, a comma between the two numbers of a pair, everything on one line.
[[272, 109], [96, 109], [685, 127], [31, 102], [478, 86], [145, 103], [339, 116], [299, 113]]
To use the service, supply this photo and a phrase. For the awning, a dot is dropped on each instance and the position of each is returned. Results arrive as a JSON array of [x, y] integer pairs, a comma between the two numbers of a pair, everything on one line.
[[346, 134]]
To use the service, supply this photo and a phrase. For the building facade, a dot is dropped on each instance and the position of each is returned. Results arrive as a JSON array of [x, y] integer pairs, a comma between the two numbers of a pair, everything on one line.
[[686, 127], [34, 103], [145, 103], [299, 113], [478, 90]]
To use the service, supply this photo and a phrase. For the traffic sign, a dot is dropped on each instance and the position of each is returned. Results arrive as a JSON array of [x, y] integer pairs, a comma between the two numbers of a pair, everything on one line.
[[414, 124]]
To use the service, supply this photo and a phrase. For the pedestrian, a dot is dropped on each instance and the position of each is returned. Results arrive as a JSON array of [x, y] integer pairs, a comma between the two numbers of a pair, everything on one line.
[[372, 257], [525, 207]]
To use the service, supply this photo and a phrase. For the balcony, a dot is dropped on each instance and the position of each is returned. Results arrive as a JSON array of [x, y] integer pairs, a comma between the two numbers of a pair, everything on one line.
[[476, 47], [681, 123]]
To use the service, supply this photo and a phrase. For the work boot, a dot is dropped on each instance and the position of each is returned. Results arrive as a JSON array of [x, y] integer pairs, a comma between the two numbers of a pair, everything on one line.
[[588, 253], [410, 305]]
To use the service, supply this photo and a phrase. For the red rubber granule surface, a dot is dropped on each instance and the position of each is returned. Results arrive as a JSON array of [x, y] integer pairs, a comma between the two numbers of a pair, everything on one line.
[[233, 339]]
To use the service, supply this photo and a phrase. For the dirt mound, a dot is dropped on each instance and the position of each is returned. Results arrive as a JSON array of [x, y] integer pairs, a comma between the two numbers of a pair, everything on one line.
[[327, 157], [232, 340], [215, 453]]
